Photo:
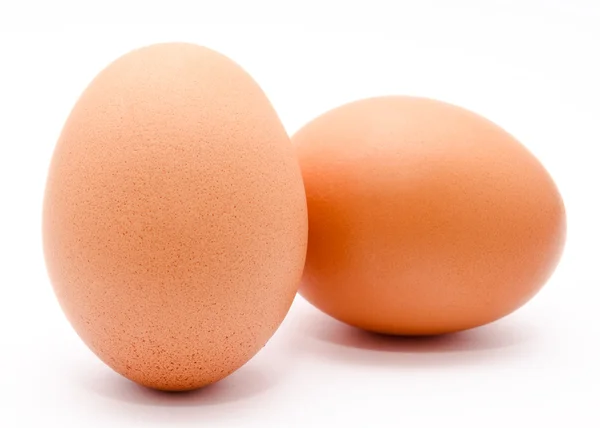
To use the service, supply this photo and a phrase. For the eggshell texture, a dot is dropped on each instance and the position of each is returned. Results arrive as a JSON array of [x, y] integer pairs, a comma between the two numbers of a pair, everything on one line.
[[424, 218], [175, 221]]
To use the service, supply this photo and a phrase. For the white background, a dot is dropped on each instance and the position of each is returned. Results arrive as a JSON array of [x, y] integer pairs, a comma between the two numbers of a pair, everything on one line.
[[531, 66]]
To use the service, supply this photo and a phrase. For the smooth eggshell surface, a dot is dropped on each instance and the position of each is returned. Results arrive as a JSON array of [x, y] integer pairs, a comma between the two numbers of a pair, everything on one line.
[[175, 220], [424, 218]]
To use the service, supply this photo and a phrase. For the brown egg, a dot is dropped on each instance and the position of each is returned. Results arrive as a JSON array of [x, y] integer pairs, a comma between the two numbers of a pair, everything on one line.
[[424, 218], [175, 220]]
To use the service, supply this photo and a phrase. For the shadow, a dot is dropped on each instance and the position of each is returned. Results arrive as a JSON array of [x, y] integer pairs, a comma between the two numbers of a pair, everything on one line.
[[325, 337], [482, 338], [243, 384]]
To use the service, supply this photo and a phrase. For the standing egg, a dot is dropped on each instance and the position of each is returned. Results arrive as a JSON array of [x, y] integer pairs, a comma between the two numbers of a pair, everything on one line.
[[424, 218], [174, 219]]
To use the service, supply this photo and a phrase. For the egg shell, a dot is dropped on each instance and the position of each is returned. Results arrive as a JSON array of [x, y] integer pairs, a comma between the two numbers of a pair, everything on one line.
[[174, 220], [424, 218]]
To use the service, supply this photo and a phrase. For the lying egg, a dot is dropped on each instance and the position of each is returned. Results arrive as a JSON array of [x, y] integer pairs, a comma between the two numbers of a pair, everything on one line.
[[424, 218], [174, 219]]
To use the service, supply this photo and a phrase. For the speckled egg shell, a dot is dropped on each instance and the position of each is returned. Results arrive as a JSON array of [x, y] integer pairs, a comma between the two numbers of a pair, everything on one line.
[[174, 221], [424, 218]]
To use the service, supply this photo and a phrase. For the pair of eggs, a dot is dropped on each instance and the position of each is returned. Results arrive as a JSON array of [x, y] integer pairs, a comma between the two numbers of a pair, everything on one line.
[[179, 220]]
